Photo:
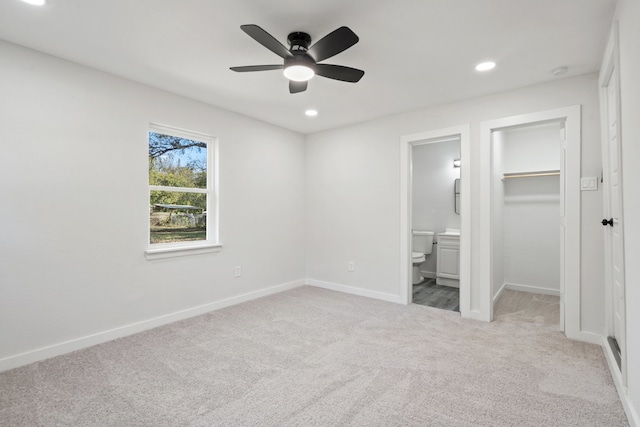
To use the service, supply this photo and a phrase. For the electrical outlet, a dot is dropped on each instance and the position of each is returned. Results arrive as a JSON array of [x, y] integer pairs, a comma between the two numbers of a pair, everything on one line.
[[238, 270], [351, 267]]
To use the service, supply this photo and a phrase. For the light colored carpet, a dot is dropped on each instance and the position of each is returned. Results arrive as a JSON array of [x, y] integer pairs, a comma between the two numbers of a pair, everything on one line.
[[524, 307], [313, 357]]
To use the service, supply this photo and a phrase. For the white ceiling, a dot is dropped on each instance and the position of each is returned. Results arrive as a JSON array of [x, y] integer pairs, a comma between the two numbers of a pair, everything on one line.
[[416, 53]]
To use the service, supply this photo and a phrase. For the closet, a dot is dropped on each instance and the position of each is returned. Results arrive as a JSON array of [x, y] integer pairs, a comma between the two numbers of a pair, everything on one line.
[[526, 209]]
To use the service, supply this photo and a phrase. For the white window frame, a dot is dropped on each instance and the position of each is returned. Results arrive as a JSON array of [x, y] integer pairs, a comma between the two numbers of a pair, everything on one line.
[[211, 244]]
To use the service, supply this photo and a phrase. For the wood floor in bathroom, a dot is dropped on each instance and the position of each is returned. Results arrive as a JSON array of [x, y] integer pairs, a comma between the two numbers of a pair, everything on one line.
[[432, 295]]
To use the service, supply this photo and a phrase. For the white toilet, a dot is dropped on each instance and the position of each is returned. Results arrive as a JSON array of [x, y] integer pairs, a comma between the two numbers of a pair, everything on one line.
[[421, 245]]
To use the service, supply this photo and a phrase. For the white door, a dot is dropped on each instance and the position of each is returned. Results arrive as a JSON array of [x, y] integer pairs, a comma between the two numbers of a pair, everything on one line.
[[613, 222]]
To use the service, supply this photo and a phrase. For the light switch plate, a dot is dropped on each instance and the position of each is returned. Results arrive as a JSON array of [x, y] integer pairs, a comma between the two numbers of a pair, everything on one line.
[[589, 183]]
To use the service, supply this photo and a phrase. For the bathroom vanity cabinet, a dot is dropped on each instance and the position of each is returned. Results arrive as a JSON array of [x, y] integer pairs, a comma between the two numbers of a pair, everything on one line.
[[448, 259]]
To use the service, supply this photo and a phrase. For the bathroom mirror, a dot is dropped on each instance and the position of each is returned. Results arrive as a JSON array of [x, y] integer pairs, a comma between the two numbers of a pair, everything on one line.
[[456, 196]]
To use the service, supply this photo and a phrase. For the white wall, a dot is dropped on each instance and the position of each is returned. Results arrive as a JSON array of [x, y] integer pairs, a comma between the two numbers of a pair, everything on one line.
[[531, 207], [628, 15], [432, 196], [353, 178], [74, 215], [532, 148], [532, 234]]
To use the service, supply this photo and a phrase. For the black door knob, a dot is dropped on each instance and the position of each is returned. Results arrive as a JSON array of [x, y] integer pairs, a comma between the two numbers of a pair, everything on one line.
[[606, 222]]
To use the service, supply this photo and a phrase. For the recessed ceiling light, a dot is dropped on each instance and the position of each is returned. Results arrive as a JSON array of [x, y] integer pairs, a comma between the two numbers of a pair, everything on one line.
[[486, 66], [35, 2], [311, 113]]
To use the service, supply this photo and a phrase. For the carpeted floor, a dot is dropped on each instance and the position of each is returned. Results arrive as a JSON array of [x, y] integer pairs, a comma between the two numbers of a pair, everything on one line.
[[524, 307], [313, 357]]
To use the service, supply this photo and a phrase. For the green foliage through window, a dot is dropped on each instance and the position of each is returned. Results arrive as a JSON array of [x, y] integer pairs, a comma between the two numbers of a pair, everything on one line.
[[180, 163]]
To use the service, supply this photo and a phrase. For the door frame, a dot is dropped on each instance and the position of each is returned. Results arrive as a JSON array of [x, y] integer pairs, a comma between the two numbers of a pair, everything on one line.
[[406, 143], [570, 181], [610, 65]]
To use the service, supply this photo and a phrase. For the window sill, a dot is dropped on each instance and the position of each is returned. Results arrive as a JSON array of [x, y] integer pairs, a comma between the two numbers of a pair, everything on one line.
[[177, 251]]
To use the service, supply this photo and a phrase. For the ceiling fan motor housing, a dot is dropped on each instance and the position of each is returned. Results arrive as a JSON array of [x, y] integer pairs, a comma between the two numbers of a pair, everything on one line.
[[299, 42]]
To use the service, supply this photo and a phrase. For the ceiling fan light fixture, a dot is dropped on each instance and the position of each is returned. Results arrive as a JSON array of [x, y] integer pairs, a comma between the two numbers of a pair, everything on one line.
[[299, 73]]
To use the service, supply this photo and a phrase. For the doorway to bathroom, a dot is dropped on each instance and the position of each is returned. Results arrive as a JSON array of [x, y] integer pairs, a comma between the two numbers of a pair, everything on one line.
[[435, 219], [435, 222]]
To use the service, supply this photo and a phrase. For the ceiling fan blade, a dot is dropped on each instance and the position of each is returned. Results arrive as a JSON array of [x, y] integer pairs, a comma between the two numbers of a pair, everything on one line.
[[256, 68], [296, 87], [266, 40], [339, 72], [333, 43]]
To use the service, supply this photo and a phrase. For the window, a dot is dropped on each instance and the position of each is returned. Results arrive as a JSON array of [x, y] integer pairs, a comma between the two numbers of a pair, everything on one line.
[[182, 200]]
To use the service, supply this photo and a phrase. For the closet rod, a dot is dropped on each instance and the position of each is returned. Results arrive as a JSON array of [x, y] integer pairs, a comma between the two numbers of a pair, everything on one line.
[[531, 174]]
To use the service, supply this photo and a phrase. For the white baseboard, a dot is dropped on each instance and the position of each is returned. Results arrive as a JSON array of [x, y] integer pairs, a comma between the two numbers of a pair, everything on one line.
[[111, 334], [445, 281], [477, 315], [496, 297], [355, 291], [428, 274], [629, 410], [584, 336], [532, 289]]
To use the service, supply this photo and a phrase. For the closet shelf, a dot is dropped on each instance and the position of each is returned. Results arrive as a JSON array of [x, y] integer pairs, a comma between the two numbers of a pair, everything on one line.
[[530, 174]]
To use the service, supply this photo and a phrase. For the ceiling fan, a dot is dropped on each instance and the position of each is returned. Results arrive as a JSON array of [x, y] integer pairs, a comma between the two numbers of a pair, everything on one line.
[[301, 61]]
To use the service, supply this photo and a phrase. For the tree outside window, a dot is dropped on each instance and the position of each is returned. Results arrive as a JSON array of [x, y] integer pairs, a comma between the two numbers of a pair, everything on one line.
[[179, 187]]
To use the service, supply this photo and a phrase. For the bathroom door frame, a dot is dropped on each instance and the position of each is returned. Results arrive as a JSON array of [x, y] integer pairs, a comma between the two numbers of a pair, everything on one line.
[[406, 144], [570, 219]]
